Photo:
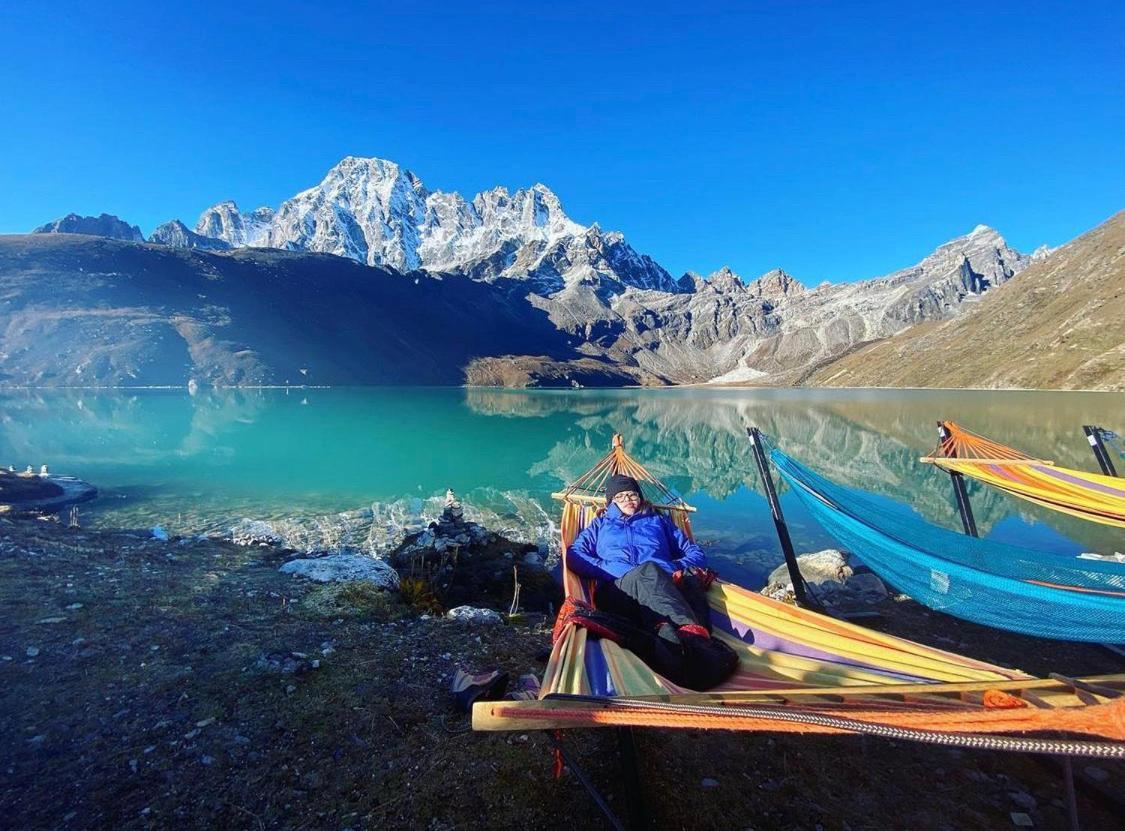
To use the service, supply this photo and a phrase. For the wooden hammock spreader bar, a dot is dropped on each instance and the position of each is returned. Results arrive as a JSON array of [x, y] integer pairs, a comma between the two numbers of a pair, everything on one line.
[[600, 500], [589, 487], [1044, 693], [939, 460]]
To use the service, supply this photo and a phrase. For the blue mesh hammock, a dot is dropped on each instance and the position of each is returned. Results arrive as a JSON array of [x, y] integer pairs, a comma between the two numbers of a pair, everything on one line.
[[999, 585]]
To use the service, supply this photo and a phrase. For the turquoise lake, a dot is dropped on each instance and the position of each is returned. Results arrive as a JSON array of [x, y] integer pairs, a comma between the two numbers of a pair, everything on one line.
[[356, 466]]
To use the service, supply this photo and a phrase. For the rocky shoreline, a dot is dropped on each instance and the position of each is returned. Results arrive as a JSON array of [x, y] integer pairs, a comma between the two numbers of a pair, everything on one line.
[[187, 682]]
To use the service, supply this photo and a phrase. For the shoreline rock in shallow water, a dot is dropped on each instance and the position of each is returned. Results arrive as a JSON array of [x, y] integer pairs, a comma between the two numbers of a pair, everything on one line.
[[837, 579]]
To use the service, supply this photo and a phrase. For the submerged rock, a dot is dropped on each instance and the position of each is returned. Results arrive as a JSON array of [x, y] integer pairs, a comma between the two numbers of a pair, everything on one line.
[[344, 567], [254, 532], [837, 579]]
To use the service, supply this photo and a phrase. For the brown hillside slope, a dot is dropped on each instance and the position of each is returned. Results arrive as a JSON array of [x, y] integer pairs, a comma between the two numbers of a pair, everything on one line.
[[1059, 325]]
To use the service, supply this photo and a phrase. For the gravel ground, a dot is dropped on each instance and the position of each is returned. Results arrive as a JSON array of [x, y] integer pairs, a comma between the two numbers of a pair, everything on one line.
[[188, 684]]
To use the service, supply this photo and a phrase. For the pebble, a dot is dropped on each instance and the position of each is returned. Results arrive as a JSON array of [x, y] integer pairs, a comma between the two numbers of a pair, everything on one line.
[[206, 760], [32, 651], [1096, 773], [1023, 800], [74, 606], [1022, 820], [206, 722], [709, 783], [191, 734]]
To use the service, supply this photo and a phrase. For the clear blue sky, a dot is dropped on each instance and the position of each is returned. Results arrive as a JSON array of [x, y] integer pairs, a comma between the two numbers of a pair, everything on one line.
[[835, 141]]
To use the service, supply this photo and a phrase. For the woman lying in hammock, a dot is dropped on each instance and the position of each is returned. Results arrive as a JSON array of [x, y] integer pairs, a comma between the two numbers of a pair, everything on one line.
[[651, 589]]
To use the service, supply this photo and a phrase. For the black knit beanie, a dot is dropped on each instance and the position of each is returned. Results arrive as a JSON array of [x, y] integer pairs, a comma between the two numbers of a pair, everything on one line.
[[618, 484]]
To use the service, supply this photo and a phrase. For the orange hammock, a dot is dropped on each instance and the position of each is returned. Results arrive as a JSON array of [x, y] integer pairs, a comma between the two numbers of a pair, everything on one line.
[[1091, 496], [798, 671]]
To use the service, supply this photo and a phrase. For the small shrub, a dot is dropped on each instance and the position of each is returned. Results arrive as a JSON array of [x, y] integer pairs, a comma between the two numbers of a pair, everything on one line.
[[419, 595], [354, 599]]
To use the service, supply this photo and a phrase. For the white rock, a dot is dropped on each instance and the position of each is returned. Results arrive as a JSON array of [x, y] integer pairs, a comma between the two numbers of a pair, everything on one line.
[[159, 533], [342, 567], [254, 532], [833, 578], [474, 616]]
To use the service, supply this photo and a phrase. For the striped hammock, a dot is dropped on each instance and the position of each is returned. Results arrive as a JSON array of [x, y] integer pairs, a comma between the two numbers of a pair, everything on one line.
[[812, 665], [1091, 496]]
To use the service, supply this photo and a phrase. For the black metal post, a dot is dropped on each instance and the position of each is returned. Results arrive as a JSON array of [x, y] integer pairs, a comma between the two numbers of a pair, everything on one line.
[[584, 780], [779, 519], [964, 507], [634, 801], [1094, 436]]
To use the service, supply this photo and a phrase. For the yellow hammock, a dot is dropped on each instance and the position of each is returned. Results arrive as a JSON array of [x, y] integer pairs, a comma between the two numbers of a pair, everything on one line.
[[1090, 496], [811, 665]]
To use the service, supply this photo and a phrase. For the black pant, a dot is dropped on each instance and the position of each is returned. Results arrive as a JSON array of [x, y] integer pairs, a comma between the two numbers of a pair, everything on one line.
[[646, 596], [650, 609]]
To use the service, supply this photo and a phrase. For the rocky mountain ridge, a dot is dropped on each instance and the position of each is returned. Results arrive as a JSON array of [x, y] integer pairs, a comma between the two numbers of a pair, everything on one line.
[[609, 304], [1060, 326], [377, 212], [104, 225]]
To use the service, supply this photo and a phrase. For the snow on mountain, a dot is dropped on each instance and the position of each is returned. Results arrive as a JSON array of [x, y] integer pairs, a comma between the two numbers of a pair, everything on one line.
[[379, 213], [224, 221]]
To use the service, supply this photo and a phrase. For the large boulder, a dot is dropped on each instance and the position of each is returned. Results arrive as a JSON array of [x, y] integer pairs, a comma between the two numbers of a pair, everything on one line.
[[836, 578], [342, 567]]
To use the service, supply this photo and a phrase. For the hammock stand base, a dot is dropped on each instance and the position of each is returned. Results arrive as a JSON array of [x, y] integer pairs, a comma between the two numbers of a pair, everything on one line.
[[631, 779]]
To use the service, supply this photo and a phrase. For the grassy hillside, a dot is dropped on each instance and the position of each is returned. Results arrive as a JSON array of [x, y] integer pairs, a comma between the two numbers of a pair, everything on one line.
[[1059, 325]]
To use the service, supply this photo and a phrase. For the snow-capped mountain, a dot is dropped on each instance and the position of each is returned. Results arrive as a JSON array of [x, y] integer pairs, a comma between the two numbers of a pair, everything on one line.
[[225, 222], [376, 212]]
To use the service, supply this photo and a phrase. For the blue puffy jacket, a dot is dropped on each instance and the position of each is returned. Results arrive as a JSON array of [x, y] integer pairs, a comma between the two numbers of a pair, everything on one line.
[[613, 544]]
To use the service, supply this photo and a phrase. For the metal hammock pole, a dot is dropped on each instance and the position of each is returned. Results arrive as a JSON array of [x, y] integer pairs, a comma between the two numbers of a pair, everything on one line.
[[1094, 436], [779, 520], [964, 507]]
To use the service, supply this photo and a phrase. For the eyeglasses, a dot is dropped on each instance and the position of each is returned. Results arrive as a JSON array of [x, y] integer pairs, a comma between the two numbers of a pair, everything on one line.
[[627, 496]]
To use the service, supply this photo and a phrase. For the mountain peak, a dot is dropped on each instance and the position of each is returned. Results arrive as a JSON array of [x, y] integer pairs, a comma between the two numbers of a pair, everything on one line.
[[178, 235], [777, 285], [103, 225]]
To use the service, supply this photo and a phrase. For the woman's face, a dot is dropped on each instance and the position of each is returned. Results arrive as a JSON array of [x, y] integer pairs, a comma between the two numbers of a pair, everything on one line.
[[628, 502]]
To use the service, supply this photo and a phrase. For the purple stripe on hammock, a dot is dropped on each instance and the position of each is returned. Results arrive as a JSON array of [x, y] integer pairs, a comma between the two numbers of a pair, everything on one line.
[[764, 640], [1074, 480]]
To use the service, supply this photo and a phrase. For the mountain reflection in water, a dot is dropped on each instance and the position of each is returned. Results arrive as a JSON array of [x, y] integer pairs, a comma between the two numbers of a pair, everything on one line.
[[201, 462]]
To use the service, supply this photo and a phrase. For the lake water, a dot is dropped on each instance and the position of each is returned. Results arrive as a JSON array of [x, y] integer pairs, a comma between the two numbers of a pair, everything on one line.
[[357, 466]]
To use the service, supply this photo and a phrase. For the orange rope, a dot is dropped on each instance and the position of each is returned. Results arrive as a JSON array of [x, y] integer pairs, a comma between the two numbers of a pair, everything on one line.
[[1105, 721], [960, 443]]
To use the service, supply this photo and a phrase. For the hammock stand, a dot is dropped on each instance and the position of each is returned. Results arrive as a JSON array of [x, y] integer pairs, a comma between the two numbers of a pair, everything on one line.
[[1097, 436], [799, 671]]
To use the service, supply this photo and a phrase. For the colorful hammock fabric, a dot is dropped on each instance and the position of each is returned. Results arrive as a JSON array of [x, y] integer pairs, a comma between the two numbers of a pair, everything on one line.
[[812, 665], [999, 585], [1091, 496]]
